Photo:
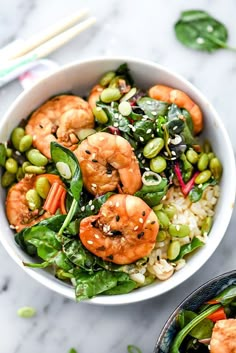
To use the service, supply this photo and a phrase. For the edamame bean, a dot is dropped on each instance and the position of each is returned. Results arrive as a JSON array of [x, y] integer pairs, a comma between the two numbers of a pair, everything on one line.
[[24, 165], [100, 115], [109, 95], [158, 164], [203, 162], [33, 169], [25, 143], [11, 165], [9, 152], [42, 187], [203, 177], [7, 179], [153, 147], [36, 158], [106, 79], [125, 108], [26, 312], [192, 156], [20, 174], [16, 136], [216, 168], [163, 219], [206, 225], [173, 250], [84, 133], [207, 147], [33, 199], [157, 207], [179, 230], [170, 210], [211, 155], [161, 236]]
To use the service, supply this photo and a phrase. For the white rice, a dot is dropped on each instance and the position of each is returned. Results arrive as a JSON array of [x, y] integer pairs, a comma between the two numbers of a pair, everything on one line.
[[192, 214]]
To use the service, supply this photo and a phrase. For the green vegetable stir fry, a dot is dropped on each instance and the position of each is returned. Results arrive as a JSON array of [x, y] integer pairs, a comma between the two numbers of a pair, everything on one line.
[[213, 325], [112, 192]]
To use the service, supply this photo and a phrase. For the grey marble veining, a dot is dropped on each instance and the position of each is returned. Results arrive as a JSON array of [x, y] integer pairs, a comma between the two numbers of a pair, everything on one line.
[[136, 28]]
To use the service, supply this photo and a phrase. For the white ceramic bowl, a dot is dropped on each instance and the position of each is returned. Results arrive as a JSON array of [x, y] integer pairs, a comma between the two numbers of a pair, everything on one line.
[[78, 78]]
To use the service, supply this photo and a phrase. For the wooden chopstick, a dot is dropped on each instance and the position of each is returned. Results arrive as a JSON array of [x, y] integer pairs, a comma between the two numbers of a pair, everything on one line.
[[47, 34]]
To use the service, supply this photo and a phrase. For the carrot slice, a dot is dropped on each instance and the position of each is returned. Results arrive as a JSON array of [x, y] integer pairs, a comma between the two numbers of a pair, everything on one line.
[[219, 314], [52, 201], [62, 202]]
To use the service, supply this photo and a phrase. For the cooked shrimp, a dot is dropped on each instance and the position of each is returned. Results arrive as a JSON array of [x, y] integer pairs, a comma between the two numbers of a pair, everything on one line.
[[223, 338], [107, 160], [182, 100], [59, 119], [124, 231], [18, 212], [94, 95]]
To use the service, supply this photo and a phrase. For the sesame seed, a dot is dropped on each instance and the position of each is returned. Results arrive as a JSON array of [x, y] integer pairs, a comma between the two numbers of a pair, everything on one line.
[[98, 109], [175, 127], [109, 175], [140, 235], [139, 155], [153, 222], [166, 153], [152, 135], [147, 169], [173, 158], [200, 186], [173, 153], [149, 102], [116, 124], [209, 28], [117, 218], [130, 170], [11, 226], [136, 227], [92, 207], [200, 40], [101, 138], [110, 203], [83, 208], [154, 113], [90, 242], [143, 213], [96, 236], [141, 138], [164, 197], [112, 104], [143, 161], [17, 153], [148, 132], [116, 116], [94, 185], [140, 220], [134, 129], [90, 202], [94, 160], [87, 151], [148, 221], [117, 204]]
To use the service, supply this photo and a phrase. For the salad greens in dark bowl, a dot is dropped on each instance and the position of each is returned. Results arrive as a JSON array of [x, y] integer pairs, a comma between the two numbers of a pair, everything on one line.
[[190, 328]]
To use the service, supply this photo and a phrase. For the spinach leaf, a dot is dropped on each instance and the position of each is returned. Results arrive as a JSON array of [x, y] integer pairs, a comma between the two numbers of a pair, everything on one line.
[[198, 30], [62, 154], [152, 194], [89, 285], [152, 107], [114, 117], [196, 192], [188, 248], [140, 130], [123, 70], [200, 331], [77, 254], [3, 155]]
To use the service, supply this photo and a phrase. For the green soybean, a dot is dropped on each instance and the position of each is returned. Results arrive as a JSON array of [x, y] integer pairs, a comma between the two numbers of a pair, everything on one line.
[[211, 155], [33, 199], [7, 179], [163, 219], [25, 164], [109, 95], [192, 156], [170, 210], [206, 225], [11, 165], [153, 147], [203, 177], [162, 235], [158, 164], [84, 133], [20, 174], [207, 147], [42, 187], [179, 230], [216, 168], [16, 136], [9, 152], [203, 162], [25, 143], [26, 312], [33, 169], [173, 250], [125, 108], [36, 158], [100, 115], [106, 78]]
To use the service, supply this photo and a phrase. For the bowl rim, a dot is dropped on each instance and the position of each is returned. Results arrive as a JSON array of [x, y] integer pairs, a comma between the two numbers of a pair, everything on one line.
[[186, 299], [149, 291]]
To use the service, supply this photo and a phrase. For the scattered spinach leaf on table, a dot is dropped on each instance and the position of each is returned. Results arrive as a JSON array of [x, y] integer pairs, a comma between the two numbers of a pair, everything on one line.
[[198, 30]]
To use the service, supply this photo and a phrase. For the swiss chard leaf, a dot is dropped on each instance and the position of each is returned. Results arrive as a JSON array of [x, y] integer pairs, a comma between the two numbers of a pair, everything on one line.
[[198, 30], [152, 107], [3, 155], [196, 192], [188, 248], [62, 154]]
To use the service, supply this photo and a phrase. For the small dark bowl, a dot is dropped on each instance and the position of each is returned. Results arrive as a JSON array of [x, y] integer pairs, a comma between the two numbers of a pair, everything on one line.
[[203, 293]]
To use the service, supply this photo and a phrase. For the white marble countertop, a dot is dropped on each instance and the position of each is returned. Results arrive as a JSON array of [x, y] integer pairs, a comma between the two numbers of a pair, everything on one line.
[[135, 28]]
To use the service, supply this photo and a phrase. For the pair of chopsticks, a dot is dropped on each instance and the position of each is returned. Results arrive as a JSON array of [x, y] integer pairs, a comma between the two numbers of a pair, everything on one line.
[[42, 44]]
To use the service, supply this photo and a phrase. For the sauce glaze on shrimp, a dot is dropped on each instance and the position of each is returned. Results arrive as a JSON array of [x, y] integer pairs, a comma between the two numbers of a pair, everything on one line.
[[124, 231]]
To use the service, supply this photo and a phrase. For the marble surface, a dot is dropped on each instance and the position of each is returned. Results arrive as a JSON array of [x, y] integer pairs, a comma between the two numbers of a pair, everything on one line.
[[137, 28]]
